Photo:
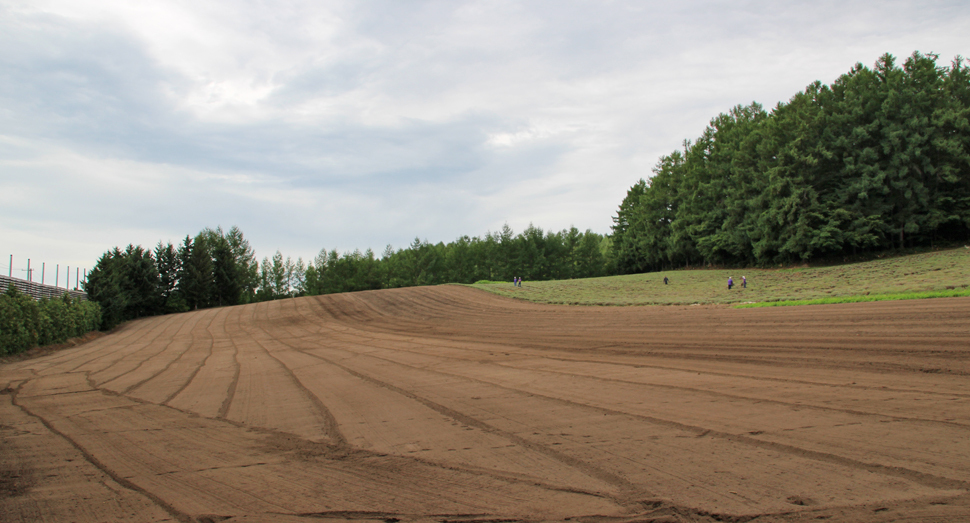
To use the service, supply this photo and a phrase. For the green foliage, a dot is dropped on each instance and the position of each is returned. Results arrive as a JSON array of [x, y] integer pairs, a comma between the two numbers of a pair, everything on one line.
[[532, 255], [26, 323], [169, 265], [19, 322], [878, 160], [125, 284], [860, 298], [212, 269]]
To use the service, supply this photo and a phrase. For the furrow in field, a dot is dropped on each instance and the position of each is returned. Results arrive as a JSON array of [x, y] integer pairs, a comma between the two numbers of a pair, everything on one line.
[[375, 416], [212, 386], [133, 354], [355, 354], [940, 405], [107, 347], [860, 438], [670, 460], [46, 479], [175, 376], [199, 466], [151, 365], [268, 395]]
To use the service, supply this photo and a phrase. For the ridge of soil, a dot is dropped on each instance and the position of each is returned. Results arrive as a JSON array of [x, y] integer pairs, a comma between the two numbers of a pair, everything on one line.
[[450, 404]]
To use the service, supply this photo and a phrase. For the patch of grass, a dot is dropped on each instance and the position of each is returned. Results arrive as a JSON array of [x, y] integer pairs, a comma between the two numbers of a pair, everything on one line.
[[929, 272], [862, 298]]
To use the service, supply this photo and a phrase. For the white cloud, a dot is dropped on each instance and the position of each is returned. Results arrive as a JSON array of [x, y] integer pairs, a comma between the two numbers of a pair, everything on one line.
[[358, 124]]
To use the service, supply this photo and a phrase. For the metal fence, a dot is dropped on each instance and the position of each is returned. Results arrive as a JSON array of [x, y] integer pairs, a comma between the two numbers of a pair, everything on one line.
[[38, 290]]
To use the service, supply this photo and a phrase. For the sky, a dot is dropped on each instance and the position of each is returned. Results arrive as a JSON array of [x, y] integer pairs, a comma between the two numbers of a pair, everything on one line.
[[360, 124]]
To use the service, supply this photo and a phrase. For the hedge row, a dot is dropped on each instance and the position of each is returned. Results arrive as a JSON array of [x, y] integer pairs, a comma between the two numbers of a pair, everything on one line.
[[26, 323]]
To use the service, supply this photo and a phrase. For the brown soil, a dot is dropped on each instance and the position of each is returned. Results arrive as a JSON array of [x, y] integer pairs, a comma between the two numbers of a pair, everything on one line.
[[37, 352], [449, 404]]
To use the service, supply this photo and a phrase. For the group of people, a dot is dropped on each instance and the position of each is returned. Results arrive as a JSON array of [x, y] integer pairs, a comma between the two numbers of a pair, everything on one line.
[[744, 282], [516, 281]]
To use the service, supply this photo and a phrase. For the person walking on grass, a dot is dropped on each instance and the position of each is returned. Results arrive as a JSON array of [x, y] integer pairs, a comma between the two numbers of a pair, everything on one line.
[[730, 283], [744, 282], [665, 280]]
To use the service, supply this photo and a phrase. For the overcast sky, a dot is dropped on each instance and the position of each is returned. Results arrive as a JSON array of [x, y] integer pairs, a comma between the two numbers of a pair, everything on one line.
[[356, 124]]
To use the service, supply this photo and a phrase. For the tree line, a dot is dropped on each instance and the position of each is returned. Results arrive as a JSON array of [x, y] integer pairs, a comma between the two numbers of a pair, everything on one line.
[[214, 268], [217, 268], [879, 159]]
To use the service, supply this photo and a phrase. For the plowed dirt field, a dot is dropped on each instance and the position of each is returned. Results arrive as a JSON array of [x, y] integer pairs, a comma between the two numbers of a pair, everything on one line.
[[450, 404]]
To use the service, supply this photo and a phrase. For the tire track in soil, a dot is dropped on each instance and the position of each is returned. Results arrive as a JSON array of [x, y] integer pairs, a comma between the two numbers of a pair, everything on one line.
[[714, 393], [190, 347], [201, 364], [784, 343], [331, 428], [702, 432], [912, 475], [175, 513], [436, 343], [699, 391], [190, 325], [627, 488], [839, 386], [124, 352], [544, 354], [584, 467], [231, 392]]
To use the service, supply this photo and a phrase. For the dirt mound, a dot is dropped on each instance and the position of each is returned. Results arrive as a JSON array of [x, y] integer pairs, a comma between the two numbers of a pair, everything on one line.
[[451, 404]]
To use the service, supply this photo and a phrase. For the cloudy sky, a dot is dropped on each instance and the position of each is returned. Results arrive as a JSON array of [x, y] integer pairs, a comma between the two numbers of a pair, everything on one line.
[[356, 124]]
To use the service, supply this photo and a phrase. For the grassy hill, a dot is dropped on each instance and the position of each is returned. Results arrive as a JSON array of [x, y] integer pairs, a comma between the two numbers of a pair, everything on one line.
[[940, 273]]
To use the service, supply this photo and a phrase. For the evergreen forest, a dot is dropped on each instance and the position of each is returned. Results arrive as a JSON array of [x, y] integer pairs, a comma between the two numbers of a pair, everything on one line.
[[879, 159]]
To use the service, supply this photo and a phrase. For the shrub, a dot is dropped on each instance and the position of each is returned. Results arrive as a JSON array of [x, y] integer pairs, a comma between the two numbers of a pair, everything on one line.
[[25, 323]]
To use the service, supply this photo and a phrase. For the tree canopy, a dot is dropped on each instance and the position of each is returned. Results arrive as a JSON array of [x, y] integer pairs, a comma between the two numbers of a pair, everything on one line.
[[880, 159]]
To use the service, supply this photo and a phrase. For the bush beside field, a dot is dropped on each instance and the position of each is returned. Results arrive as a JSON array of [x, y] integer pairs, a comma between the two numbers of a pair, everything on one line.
[[26, 323], [930, 274]]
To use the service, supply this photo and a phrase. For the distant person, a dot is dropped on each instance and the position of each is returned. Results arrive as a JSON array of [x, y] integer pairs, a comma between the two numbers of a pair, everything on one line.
[[520, 281], [665, 280], [515, 281], [744, 282], [730, 283]]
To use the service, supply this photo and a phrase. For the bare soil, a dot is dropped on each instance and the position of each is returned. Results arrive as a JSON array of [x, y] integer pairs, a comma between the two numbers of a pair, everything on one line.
[[449, 404]]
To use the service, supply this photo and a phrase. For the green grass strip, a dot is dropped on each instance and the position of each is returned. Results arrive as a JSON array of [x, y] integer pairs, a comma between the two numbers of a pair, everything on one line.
[[861, 298]]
